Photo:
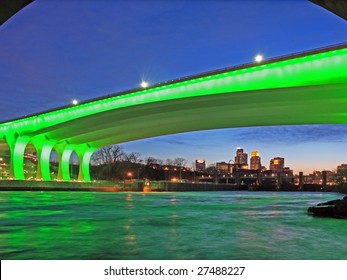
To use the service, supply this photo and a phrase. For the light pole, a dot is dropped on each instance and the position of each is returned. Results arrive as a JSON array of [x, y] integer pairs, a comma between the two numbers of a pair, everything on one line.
[[166, 170]]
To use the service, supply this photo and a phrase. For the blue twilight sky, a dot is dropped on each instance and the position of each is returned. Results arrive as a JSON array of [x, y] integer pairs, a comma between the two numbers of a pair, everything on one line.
[[56, 50]]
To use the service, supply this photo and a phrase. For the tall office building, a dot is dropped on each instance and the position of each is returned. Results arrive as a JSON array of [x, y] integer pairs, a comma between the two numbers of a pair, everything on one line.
[[241, 159], [200, 165], [223, 167], [277, 164], [255, 161]]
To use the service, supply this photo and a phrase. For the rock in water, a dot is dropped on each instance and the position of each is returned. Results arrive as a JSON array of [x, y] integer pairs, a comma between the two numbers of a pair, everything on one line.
[[333, 208]]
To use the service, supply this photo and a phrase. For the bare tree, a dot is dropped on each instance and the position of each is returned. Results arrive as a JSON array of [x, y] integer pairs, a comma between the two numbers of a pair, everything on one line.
[[117, 153], [108, 157], [180, 162], [151, 160], [102, 156], [133, 157]]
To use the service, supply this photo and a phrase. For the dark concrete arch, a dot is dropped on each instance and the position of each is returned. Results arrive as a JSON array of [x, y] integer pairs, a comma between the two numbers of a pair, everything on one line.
[[30, 163], [9, 8]]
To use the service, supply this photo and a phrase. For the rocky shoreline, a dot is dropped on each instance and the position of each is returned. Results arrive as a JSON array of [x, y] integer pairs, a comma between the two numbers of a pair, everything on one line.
[[334, 208]]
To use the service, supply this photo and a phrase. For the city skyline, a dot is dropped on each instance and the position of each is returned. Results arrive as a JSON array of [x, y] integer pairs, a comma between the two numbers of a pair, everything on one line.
[[55, 51], [302, 155]]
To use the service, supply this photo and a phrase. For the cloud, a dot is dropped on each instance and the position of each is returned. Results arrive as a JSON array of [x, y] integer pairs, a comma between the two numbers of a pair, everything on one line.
[[279, 135], [175, 140], [291, 134]]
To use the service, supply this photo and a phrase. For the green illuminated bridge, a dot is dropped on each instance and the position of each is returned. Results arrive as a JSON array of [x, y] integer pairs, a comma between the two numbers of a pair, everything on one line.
[[304, 88]]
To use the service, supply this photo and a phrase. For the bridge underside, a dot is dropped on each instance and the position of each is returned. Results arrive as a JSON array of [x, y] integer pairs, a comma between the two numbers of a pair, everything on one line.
[[323, 104], [338, 7], [10, 7]]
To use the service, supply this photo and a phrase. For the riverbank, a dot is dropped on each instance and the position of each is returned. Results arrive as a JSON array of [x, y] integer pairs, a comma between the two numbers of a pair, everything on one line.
[[108, 186], [156, 186], [14, 185]]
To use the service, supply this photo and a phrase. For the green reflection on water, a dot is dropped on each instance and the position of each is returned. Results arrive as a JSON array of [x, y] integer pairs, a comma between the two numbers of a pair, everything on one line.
[[214, 225]]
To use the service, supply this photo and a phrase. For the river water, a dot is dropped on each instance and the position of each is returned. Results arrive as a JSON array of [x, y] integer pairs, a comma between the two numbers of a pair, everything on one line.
[[185, 225]]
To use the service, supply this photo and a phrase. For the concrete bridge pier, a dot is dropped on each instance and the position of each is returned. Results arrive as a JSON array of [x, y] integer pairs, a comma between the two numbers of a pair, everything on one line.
[[10, 140], [279, 181], [43, 148], [17, 147], [324, 180], [259, 180], [301, 180], [64, 152], [84, 153], [237, 178]]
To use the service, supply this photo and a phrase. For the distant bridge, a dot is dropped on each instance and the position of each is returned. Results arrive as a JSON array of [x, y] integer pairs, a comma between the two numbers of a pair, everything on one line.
[[303, 88]]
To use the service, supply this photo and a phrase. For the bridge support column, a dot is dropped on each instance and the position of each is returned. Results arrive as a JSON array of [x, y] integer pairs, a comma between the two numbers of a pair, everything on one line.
[[238, 178], [17, 147], [11, 141], [324, 180], [279, 181], [259, 181], [43, 149], [301, 180], [64, 153], [84, 153]]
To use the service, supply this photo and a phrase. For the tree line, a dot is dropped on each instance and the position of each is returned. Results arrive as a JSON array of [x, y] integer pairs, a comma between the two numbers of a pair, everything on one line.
[[114, 163]]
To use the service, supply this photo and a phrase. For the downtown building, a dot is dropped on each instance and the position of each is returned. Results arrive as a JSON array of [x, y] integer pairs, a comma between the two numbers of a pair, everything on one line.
[[277, 165], [241, 159], [255, 161], [223, 167], [317, 177], [200, 165], [341, 168]]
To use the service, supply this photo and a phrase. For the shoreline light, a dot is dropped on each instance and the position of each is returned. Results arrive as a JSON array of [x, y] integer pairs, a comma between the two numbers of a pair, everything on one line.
[[74, 101]]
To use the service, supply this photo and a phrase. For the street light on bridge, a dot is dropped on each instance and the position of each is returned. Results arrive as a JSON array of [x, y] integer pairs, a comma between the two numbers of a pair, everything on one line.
[[258, 58], [144, 84]]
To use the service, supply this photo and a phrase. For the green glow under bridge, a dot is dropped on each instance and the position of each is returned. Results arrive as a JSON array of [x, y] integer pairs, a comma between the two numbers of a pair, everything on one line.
[[304, 88]]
